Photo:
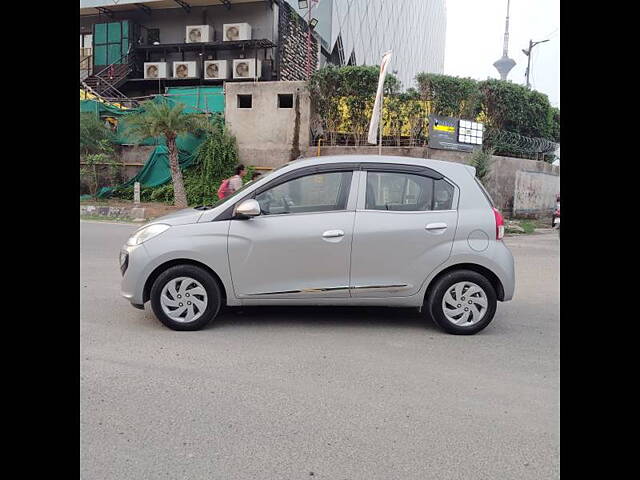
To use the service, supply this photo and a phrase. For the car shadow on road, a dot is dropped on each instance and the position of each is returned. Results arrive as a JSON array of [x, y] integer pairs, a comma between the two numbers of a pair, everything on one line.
[[323, 316]]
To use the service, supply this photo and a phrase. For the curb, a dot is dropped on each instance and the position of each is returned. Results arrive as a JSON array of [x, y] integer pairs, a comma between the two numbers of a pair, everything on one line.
[[136, 214]]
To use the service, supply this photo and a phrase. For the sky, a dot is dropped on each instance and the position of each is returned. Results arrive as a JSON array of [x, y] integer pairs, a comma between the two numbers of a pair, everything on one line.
[[475, 32]]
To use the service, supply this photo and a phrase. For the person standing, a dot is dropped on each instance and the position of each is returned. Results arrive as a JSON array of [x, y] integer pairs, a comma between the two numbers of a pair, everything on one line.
[[233, 184]]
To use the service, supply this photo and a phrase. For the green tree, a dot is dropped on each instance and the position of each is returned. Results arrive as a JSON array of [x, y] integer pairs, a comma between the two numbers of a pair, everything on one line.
[[324, 87], [449, 96], [555, 125], [356, 87], [216, 158], [93, 132], [515, 108], [103, 159], [160, 118]]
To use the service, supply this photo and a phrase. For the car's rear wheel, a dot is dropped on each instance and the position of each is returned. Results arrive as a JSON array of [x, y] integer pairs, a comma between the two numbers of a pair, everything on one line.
[[462, 302], [185, 297]]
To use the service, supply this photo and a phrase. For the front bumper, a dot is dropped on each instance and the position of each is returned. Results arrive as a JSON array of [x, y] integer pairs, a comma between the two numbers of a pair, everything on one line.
[[134, 275]]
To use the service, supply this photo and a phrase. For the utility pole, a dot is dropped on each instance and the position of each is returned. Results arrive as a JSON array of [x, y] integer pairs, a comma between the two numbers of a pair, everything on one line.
[[528, 54]]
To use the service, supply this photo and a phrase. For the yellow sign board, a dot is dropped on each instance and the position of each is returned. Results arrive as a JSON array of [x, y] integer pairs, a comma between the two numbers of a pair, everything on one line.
[[444, 128]]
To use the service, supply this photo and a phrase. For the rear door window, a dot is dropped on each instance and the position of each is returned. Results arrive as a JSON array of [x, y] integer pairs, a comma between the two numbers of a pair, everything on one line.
[[407, 192]]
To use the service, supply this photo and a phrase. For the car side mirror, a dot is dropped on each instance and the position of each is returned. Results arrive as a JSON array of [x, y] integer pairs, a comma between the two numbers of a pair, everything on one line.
[[247, 209]]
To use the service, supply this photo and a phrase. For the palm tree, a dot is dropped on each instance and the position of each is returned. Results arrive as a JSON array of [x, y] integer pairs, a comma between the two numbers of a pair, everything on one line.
[[161, 118]]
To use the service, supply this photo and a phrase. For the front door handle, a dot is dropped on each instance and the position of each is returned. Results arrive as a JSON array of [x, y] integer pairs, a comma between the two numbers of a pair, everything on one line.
[[333, 234], [436, 226]]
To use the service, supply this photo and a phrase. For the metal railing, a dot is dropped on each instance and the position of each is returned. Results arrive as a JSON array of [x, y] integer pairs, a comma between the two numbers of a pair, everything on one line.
[[105, 81], [86, 67]]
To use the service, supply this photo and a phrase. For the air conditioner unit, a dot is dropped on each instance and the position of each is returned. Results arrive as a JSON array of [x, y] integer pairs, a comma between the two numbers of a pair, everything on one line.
[[185, 69], [236, 31], [155, 69], [246, 68], [215, 69], [199, 34]]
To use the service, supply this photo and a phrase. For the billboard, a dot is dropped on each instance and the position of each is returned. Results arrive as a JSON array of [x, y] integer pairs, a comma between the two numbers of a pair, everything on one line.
[[450, 133]]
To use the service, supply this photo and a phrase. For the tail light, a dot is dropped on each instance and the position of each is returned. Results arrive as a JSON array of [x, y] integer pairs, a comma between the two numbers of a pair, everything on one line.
[[499, 224]]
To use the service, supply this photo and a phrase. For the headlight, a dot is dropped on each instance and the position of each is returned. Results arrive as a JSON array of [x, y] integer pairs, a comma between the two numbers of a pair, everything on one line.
[[145, 233]]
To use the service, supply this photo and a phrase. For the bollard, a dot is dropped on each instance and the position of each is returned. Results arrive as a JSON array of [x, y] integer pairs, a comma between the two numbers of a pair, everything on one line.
[[136, 193]]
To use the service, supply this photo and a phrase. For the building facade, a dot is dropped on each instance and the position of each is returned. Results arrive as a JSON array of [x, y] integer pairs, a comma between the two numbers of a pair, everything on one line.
[[122, 41], [359, 32]]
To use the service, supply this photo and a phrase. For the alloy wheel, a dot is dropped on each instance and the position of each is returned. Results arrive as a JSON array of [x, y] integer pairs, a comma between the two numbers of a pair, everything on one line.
[[183, 299], [464, 304]]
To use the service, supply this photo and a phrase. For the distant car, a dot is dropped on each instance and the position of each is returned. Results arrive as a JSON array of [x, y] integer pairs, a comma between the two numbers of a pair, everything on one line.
[[349, 230]]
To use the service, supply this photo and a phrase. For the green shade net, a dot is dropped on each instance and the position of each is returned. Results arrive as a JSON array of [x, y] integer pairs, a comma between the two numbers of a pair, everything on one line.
[[199, 99], [156, 170]]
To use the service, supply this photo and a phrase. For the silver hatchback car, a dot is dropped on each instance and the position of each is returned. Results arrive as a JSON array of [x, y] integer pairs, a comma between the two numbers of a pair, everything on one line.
[[343, 230]]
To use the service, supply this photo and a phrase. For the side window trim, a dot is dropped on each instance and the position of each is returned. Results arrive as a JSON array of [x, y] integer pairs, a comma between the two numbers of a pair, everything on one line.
[[346, 187], [419, 171], [302, 172], [400, 168]]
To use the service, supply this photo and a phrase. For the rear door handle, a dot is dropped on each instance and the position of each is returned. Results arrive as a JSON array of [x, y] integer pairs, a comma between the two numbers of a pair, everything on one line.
[[436, 226], [333, 234]]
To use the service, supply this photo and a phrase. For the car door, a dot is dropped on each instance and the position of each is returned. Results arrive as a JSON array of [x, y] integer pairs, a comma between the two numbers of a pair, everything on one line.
[[404, 228], [300, 245]]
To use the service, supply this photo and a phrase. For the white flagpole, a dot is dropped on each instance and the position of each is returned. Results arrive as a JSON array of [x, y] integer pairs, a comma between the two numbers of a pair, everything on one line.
[[381, 109], [375, 126]]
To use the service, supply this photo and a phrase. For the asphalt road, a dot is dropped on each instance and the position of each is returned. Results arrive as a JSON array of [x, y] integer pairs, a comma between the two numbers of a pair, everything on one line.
[[299, 393]]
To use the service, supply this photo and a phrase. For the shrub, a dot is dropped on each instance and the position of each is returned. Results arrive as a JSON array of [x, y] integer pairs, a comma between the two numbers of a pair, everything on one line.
[[94, 134], [482, 160]]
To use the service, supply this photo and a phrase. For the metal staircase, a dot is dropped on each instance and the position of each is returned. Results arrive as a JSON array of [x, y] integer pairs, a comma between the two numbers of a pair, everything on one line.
[[105, 83]]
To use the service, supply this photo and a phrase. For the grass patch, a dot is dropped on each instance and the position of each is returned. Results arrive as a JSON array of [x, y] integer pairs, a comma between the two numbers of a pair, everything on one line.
[[102, 218], [529, 225]]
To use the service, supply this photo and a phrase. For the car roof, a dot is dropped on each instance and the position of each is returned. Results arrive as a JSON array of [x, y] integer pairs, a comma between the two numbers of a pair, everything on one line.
[[442, 166]]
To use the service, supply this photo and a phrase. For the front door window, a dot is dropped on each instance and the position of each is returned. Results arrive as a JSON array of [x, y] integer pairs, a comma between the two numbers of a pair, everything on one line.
[[320, 192]]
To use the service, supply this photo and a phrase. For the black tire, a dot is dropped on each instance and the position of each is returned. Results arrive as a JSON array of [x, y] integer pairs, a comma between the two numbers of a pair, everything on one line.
[[208, 282], [433, 303]]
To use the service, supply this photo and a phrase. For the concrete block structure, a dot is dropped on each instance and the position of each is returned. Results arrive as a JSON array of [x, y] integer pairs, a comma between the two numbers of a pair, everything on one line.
[[262, 116]]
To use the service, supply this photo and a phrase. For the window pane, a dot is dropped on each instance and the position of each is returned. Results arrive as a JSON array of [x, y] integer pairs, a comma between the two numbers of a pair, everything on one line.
[[398, 191], [313, 193], [114, 32], [443, 195], [244, 101], [100, 30]]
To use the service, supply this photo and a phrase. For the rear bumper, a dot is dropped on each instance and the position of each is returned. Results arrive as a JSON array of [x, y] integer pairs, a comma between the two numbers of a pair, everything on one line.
[[505, 270]]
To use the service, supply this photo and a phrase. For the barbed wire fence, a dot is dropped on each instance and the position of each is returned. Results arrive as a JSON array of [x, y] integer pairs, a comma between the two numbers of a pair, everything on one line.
[[512, 144]]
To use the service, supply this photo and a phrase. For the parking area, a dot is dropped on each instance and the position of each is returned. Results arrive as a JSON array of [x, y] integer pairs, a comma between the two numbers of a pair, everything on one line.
[[326, 393]]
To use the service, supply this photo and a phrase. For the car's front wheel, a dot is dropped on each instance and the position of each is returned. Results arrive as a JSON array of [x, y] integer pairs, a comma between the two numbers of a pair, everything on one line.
[[462, 302], [185, 297]]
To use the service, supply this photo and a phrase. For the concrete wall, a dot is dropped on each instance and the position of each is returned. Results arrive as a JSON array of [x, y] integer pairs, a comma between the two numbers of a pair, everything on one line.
[[265, 132], [535, 193], [134, 157]]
